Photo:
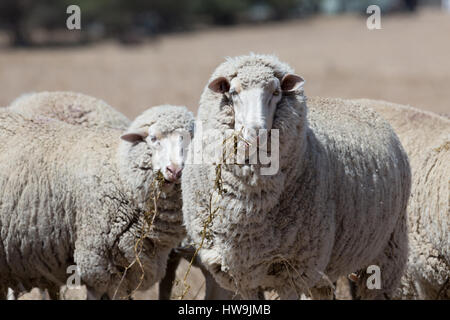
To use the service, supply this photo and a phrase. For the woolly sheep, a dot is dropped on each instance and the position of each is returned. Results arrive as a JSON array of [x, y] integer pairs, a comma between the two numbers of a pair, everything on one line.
[[79, 109], [47, 223], [70, 107], [426, 139], [337, 203]]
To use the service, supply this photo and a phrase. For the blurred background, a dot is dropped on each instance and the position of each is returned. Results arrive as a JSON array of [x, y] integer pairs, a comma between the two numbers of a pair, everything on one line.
[[135, 54]]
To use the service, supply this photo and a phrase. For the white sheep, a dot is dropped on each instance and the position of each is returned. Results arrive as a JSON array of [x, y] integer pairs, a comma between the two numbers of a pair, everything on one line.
[[77, 195], [337, 203], [70, 107], [426, 139], [83, 110]]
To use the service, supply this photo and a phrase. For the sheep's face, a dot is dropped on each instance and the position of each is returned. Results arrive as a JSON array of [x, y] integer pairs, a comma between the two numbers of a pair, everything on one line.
[[168, 150], [169, 153], [255, 104]]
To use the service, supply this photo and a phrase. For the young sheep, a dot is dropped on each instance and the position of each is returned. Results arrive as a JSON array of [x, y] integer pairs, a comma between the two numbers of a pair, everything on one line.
[[426, 139], [70, 107], [73, 195], [337, 203]]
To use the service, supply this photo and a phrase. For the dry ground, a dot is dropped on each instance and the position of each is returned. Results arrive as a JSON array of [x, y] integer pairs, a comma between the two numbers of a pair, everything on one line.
[[407, 62]]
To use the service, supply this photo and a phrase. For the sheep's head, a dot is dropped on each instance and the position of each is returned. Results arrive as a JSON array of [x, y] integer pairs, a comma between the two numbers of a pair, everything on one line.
[[159, 139], [167, 149], [254, 94]]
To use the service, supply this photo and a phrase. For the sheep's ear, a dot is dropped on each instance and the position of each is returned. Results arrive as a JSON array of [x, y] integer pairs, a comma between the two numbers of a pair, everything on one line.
[[134, 137], [291, 82], [219, 85]]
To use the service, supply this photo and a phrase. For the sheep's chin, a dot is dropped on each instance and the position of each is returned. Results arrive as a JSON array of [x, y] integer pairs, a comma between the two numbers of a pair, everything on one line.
[[168, 186]]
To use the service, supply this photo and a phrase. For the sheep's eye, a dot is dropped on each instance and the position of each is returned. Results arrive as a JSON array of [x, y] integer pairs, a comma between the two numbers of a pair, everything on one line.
[[233, 92], [276, 92], [153, 139]]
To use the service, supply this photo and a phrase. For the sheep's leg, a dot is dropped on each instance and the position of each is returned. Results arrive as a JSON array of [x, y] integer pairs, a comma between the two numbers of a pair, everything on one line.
[[288, 295], [252, 294], [166, 284], [92, 261], [54, 292], [391, 265], [92, 294], [322, 293], [213, 290]]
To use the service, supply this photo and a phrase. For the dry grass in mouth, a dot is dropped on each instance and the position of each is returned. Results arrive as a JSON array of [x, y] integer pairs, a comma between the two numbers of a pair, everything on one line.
[[212, 211]]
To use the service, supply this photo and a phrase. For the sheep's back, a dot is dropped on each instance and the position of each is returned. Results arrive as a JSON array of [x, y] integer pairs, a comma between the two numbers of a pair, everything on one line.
[[70, 107], [369, 179]]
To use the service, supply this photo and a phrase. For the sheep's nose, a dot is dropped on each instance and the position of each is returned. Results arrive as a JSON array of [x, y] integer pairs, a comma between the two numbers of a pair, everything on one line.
[[174, 172]]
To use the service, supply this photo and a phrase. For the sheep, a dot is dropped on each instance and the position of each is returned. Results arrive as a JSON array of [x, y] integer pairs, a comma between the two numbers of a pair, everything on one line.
[[79, 109], [70, 107], [97, 221], [426, 139], [336, 204], [428, 269]]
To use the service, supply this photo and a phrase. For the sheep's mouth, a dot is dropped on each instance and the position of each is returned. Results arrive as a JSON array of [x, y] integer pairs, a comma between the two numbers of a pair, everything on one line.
[[170, 182]]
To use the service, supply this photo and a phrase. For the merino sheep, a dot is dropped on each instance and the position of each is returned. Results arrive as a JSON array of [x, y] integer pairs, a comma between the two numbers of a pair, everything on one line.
[[337, 203], [70, 107], [79, 109], [75, 195], [426, 139]]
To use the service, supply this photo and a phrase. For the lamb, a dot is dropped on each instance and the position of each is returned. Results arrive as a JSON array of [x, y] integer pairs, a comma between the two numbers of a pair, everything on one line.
[[426, 139], [70, 107], [106, 220], [336, 204]]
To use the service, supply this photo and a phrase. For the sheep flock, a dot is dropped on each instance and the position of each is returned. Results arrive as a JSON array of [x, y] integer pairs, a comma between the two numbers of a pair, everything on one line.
[[265, 190]]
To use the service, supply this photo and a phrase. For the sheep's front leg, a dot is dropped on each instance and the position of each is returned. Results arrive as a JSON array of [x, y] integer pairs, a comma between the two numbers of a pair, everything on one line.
[[322, 293], [252, 294], [166, 284], [93, 267]]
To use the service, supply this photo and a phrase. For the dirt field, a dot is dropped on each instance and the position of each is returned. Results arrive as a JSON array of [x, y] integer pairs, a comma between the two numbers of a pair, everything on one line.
[[407, 62]]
